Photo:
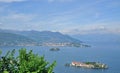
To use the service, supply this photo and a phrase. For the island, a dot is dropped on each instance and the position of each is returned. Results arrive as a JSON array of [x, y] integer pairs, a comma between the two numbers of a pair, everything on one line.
[[54, 49], [91, 65]]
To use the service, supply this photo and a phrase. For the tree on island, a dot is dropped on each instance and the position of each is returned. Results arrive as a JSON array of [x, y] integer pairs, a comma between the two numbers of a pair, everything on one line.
[[25, 62]]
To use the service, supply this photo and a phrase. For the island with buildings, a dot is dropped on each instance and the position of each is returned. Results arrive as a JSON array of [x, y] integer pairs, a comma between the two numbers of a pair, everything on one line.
[[91, 65]]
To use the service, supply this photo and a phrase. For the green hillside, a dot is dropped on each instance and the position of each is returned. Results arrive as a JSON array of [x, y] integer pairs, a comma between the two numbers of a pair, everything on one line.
[[36, 38], [13, 39], [48, 36]]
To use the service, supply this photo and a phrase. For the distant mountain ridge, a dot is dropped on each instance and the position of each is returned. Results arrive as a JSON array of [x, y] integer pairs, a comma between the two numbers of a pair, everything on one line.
[[47, 36], [10, 39], [36, 38]]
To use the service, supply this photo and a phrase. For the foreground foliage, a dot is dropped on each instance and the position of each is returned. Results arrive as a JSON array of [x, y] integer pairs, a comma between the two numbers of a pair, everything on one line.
[[25, 62]]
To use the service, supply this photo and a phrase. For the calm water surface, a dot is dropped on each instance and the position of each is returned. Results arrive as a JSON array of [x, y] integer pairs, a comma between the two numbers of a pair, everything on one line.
[[108, 53]]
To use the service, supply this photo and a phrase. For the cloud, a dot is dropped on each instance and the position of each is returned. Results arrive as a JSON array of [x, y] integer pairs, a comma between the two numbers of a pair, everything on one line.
[[0, 23], [14, 17], [51, 0], [84, 18], [10, 1], [17, 21], [101, 28], [80, 12], [60, 0]]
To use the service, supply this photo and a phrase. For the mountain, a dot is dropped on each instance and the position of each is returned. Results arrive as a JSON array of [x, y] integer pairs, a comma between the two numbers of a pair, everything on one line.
[[46, 38], [11, 39]]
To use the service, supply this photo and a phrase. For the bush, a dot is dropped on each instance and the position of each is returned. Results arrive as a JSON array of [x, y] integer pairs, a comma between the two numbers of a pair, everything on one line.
[[25, 62]]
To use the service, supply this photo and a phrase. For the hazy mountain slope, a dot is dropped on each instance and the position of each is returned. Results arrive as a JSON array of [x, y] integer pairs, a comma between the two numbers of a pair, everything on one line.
[[10, 38], [36, 37], [48, 36]]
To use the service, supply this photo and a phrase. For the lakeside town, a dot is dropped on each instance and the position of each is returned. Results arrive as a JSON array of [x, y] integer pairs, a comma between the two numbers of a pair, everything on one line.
[[45, 44]]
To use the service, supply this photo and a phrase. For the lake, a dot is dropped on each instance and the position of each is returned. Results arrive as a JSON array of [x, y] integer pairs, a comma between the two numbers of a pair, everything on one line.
[[108, 53]]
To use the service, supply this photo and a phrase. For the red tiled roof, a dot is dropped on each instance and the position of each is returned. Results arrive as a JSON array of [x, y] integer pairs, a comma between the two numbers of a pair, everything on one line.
[[77, 63]]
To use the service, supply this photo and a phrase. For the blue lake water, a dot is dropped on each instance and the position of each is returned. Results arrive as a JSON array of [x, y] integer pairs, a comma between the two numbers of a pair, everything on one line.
[[108, 53]]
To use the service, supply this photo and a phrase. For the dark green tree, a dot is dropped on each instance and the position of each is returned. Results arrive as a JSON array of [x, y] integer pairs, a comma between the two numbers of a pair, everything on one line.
[[25, 62]]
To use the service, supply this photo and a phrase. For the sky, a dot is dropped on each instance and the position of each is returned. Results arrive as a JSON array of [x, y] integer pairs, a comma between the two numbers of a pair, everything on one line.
[[65, 16]]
